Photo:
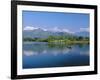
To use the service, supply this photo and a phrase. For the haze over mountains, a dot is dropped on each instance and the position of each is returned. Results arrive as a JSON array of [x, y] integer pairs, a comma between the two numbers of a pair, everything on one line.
[[34, 32]]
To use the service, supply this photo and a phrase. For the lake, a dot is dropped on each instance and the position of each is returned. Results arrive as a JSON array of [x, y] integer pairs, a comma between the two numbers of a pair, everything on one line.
[[43, 55]]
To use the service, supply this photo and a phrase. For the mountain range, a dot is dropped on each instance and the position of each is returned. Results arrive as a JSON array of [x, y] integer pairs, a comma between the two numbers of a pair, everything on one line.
[[41, 33]]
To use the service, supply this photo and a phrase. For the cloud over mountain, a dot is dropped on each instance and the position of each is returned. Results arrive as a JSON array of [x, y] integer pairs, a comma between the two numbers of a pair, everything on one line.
[[84, 29], [29, 28], [54, 29], [30, 31]]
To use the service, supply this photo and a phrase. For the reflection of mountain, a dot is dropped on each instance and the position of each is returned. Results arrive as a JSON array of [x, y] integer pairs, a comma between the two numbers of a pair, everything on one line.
[[44, 48], [53, 49]]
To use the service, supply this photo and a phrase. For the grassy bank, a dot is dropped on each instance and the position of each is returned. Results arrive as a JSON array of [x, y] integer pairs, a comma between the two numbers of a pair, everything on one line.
[[70, 42]]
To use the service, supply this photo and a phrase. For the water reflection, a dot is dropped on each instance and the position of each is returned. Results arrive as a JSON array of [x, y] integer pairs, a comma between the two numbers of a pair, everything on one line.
[[54, 49], [42, 54]]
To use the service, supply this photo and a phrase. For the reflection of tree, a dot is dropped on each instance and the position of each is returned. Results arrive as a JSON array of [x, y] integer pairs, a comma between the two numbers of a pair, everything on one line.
[[81, 45], [46, 48], [41, 48], [61, 46]]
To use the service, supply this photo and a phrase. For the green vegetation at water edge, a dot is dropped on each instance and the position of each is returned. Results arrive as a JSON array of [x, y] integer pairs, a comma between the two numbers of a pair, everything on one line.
[[60, 39]]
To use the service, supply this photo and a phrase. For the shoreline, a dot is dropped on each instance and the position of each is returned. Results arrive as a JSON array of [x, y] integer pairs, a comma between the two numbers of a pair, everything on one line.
[[63, 42]]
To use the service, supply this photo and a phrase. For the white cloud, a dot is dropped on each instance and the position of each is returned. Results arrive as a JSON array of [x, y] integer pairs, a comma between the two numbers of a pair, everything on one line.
[[56, 29], [68, 31], [30, 28], [85, 29], [44, 29]]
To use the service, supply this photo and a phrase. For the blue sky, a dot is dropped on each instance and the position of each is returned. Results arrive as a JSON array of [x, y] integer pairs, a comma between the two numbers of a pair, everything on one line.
[[72, 22]]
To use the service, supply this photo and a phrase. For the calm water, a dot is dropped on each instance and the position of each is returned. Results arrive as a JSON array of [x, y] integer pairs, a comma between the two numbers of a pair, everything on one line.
[[42, 54]]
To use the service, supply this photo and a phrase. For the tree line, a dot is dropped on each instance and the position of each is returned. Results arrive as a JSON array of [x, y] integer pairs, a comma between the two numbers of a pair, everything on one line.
[[58, 39]]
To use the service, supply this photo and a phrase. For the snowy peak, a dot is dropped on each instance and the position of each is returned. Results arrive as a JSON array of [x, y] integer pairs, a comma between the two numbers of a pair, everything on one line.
[[55, 29]]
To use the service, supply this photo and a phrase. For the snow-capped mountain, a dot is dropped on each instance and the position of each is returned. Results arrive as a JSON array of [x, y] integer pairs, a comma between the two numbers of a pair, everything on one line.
[[44, 33]]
